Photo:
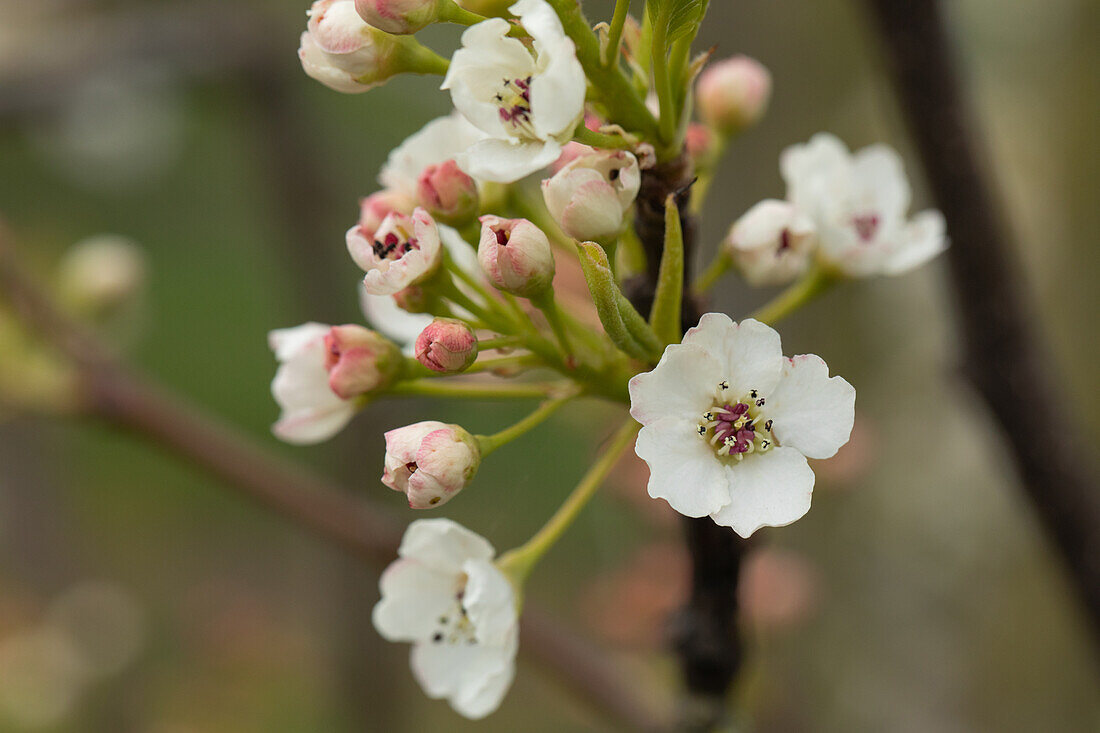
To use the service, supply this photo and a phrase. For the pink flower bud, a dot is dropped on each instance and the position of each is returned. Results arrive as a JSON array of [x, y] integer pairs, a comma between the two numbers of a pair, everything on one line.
[[590, 195], [447, 346], [570, 152], [733, 93], [341, 51], [515, 255], [399, 16], [698, 140], [447, 193], [359, 360], [413, 299], [430, 462], [374, 209]]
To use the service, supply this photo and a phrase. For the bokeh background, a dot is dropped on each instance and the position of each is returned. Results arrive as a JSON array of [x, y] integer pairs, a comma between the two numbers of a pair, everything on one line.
[[137, 594]]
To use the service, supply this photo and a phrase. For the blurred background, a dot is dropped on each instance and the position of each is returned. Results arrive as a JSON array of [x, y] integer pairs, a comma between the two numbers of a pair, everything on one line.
[[138, 595]]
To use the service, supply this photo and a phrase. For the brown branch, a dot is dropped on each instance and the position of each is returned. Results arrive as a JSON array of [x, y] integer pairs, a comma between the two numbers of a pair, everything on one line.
[[1003, 359], [705, 632], [128, 402]]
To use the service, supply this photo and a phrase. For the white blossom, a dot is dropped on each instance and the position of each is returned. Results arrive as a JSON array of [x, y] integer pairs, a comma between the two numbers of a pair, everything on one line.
[[442, 139], [311, 411], [771, 243], [527, 102], [430, 462], [590, 195], [729, 423], [445, 596], [404, 251], [859, 204]]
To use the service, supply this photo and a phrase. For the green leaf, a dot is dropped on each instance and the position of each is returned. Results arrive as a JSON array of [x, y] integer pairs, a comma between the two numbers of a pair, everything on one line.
[[607, 297], [668, 300], [679, 17]]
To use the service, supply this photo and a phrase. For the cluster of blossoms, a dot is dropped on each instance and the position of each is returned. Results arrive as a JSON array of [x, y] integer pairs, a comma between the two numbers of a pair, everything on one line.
[[459, 260]]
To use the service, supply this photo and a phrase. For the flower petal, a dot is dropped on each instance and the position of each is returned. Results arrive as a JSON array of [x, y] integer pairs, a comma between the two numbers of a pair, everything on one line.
[[443, 544], [469, 675], [769, 489], [812, 412], [507, 161], [922, 239], [879, 179], [683, 468], [682, 386], [414, 596], [489, 601], [750, 352], [441, 139]]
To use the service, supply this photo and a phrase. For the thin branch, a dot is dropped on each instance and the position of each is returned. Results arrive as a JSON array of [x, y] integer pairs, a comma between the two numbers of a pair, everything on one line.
[[1003, 359], [133, 404]]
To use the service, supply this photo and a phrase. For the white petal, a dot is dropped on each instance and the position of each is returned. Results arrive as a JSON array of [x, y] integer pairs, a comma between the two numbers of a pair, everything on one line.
[[286, 342], [750, 353], [306, 427], [557, 91], [812, 412], [489, 601], [470, 675], [769, 489], [816, 173], [879, 179], [443, 544], [683, 468], [479, 68], [921, 240], [384, 316], [414, 596], [505, 161], [441, 139], [682, 385]]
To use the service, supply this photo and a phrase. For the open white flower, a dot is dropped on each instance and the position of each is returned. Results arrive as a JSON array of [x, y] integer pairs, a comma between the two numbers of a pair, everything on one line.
[[729, 423], [404, 250], [528, 104], [311, 411], [442, 139], [771, 243], [446, 597], [859, 205]]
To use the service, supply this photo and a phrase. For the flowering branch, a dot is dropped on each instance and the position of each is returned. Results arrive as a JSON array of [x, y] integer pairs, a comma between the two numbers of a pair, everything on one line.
[[1003, 358]]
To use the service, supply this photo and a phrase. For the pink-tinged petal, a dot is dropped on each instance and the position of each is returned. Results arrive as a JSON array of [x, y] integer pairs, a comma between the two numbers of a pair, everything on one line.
[[682, 385], [811, 411], [414, 596], [489, 601], [750, 353], [769, 489], [443, 544], [306, 427], [683, 468]]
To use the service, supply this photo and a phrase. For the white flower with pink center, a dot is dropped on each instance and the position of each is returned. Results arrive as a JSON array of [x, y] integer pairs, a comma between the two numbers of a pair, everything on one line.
[[771, 243], [859, 204], [729, 423], [445, 596], [526, 101], [403, 251]]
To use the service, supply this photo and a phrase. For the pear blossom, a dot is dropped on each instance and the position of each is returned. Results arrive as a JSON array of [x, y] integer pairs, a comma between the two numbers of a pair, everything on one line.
[[728, 423], [527, 103], [401, 16], [445, 596], [447, 193], [359, 360], [342, 52], [442, 139], [771, 243], [430, 462], [405, 250], [515, 255], [374, 209], [589, 196], [859, 204], [447, 346], [311, 411]]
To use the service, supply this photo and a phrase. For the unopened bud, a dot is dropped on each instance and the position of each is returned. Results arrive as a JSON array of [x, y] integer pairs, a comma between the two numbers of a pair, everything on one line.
[[430, 462], [359, 360], [401, 16], [447, 346], [447, 193], [102, 273], [374, 209], [733, 93], [698, 141], [342, 52], [771, 243], [515, 255], [590, 195]]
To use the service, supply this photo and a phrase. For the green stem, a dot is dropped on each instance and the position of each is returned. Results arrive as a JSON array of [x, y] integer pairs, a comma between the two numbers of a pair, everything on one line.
[[599, 140], [518, 360], [489, 443], [500, 342], [719, 266], [473, 390], [549, 308], [816, 281], [454, 13], [615, 33], [517, 563]]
